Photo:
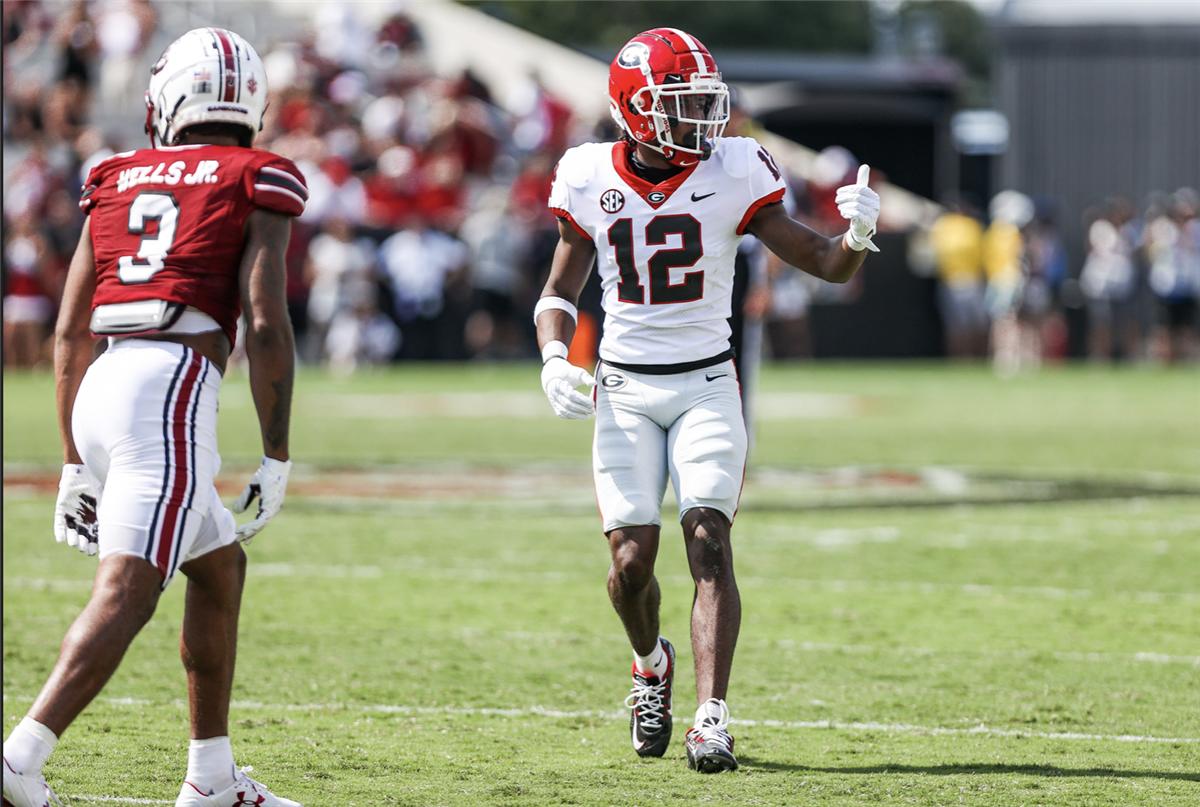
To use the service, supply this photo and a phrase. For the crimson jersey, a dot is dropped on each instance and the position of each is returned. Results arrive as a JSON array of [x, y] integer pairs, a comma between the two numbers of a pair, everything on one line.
[[169, 223]]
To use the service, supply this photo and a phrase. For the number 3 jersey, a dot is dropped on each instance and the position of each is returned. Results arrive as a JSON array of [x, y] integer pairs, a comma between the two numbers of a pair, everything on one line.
[[169, 223], [665, 252]]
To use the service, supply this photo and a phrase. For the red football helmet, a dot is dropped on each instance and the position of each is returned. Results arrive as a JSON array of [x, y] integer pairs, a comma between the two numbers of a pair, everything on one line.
[[666, 78]]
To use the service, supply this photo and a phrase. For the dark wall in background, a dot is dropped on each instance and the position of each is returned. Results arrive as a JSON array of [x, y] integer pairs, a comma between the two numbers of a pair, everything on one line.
[[896, 315], [1096, 111]]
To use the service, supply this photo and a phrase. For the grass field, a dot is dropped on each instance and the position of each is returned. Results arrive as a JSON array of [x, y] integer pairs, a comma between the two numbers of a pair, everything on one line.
[[957, 590]]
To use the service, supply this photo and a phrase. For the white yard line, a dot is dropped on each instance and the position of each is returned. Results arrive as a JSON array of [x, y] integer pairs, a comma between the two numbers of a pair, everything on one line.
[[978, 729], [115, 800], [483, 574]]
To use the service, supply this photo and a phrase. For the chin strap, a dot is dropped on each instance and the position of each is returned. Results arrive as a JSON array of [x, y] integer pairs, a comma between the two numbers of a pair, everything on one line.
[[150, 119]]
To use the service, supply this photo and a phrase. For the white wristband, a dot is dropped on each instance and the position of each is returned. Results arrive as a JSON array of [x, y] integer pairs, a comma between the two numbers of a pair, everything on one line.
[[554, 350], [852, 242], [555, 303]]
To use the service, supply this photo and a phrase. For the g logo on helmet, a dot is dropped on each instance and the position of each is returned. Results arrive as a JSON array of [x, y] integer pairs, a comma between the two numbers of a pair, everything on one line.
[[612, 200], [634, 54]]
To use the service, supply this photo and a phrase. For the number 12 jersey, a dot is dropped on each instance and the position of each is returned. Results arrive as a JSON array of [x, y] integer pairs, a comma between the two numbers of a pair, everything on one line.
[[665, 252]]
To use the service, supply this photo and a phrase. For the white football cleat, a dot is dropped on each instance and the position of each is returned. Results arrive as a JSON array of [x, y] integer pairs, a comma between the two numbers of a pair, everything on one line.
[[244, 792], [21, 790]]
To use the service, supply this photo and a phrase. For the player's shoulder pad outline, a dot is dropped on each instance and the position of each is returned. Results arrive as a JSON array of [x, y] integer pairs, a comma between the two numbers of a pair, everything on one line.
[[737, 155], [577, 166]]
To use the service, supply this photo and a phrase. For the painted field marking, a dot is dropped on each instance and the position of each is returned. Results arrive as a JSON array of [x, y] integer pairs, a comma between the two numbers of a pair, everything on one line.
[[979, 729], [482, 574], [116, 799]]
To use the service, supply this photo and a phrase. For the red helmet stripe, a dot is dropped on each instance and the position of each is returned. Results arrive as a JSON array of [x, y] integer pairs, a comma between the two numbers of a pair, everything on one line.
[[696, 49], [230, 66]]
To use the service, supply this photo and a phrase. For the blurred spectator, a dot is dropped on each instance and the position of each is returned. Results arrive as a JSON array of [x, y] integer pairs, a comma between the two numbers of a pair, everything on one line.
[[360, 334], [123, 30], [76, 35], [1109, 282], [542, 119], [1173, 249], [957, 241], [834, 166], [339, 264], [1046, 262], [334, 191], [1014, 345], [28, 307], [499, 241], [423, 266]]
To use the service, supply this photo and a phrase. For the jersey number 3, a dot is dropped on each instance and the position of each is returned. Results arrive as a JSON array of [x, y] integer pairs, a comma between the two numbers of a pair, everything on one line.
[[149, 207], [662, 290]]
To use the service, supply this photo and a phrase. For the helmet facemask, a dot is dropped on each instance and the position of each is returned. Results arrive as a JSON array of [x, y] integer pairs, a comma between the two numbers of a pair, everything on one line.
[[702, 104]]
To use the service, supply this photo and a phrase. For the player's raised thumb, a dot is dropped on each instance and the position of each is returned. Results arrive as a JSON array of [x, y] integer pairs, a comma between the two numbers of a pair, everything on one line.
[[864, 174]]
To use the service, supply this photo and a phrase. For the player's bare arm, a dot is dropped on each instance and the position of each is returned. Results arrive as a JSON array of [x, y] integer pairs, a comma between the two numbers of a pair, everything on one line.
[[74, 349], [73, 342], [270, 348], [569, 270], [555, 319], [269, 341], [832, 259], [804, 248]]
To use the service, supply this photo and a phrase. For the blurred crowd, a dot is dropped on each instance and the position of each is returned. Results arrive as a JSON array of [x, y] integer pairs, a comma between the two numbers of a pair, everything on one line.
[[426, 234], [426, 229], [427, 237], [1006, 286]]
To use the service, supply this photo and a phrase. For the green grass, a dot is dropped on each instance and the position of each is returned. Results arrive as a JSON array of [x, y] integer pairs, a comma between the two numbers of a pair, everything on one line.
[[986, 640]]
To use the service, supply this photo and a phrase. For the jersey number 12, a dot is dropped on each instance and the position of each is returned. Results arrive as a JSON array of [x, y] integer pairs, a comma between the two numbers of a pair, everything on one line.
[[662, 290]]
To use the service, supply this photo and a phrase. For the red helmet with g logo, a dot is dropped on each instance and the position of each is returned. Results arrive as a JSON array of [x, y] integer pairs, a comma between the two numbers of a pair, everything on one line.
[[665, 91]]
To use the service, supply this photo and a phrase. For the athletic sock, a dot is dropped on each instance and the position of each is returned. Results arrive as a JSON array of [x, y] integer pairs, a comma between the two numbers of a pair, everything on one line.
[[29, 746], [654, 664], [210, 764]]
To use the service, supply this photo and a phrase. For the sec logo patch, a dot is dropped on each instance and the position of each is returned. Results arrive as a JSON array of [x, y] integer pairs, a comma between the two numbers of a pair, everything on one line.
[[612, 200]]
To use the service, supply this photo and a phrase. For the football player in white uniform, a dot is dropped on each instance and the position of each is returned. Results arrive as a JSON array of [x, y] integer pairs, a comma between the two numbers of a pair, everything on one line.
[[662, 211]]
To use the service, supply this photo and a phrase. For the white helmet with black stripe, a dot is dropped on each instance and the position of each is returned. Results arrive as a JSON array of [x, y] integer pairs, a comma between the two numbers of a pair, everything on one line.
[[208, 75]]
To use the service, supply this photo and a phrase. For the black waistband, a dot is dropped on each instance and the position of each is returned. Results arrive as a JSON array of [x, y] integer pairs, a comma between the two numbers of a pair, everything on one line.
[[669, 369]]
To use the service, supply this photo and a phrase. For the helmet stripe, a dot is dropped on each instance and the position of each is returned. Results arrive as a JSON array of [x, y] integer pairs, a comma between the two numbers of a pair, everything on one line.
[[701, 67], [220, 62], [230, 67]]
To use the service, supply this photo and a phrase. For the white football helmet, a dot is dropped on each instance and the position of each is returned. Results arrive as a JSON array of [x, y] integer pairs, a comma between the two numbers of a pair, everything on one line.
[[208, 75]]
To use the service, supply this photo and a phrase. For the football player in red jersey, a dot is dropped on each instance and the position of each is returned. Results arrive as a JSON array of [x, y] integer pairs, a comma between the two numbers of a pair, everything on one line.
[[179, 240], [662, 212]]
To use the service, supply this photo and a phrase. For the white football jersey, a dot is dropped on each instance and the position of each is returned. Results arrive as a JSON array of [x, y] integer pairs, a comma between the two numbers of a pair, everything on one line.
[[665, 252]]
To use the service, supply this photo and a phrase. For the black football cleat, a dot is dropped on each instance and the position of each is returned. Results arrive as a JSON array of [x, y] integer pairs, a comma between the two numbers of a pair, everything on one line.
[[709, 745], [650, 700]]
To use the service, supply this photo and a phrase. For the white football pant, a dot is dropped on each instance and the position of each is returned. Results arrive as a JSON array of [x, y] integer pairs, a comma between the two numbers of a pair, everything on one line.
[[145, 423], [688, 425]]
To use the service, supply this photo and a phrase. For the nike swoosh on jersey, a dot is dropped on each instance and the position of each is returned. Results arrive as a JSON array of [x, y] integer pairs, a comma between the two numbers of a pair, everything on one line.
[[696, 198], [708, 377]]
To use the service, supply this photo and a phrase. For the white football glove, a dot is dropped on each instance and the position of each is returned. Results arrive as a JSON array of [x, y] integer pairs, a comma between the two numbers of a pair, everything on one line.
[[559, 380], [268, 486], [860, 204], [75, 510]]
